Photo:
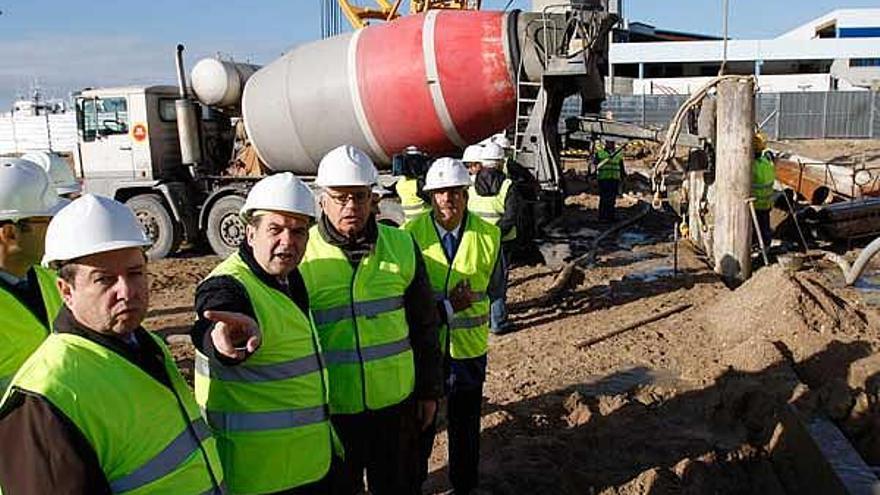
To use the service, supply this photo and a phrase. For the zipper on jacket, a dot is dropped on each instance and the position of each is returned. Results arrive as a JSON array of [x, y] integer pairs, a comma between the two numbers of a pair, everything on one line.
[[357, 337]]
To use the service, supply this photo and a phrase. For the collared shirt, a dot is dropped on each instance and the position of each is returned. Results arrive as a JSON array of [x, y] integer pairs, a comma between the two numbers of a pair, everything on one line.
[[456, 232]]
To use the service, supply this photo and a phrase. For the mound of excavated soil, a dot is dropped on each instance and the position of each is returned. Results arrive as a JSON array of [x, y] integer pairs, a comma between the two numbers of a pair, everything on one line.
[[797, 308]]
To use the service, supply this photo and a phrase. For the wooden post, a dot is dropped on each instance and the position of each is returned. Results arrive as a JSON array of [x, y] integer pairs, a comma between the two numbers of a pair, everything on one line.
[[696, 182], [733, 179]]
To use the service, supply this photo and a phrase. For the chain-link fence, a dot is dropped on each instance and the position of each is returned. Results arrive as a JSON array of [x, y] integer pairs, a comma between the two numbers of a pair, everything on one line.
[[806, 115]]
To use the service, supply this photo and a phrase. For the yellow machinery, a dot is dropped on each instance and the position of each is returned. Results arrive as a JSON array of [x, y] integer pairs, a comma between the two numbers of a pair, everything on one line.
[[384, 10]]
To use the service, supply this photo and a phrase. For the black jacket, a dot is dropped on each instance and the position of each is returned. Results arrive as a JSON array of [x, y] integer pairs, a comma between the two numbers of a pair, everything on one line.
[[488, 182], [224, 293], [41, 450]]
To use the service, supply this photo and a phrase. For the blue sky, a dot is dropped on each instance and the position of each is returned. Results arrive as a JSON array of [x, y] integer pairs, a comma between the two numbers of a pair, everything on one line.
[[67, 45]]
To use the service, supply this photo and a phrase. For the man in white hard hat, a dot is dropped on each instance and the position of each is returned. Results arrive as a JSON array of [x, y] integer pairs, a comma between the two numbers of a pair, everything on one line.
[[29, 299], [267, 407], [471, 159], [411, 166], [61, 176], [372, 305], [461, 253], [100, 406], [494, 198]]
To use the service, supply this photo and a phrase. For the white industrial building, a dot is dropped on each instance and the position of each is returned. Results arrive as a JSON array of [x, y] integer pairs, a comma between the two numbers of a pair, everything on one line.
[[838, 51]]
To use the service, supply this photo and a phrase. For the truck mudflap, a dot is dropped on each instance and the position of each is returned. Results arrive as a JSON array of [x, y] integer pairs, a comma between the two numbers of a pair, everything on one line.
[[179, 195]]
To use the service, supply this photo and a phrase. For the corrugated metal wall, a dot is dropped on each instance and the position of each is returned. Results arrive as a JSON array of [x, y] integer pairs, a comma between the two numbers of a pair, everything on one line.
[[43, 132], [807, 115]]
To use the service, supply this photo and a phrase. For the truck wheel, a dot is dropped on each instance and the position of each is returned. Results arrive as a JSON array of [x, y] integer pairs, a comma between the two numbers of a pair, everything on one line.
[[160, 228], [225, 230]]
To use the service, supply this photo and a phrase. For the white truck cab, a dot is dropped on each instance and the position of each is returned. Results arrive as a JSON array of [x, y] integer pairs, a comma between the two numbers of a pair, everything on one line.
[[126, 134], [128, 149]]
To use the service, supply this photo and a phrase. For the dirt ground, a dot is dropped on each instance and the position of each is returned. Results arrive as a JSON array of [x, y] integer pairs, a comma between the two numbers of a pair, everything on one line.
[[856, 151], [685, 404]]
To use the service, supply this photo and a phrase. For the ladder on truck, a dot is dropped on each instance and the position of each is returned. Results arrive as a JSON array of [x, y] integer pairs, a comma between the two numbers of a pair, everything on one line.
[[526, 98]]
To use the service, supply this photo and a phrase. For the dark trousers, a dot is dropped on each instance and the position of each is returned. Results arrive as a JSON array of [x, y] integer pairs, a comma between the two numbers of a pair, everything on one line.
[[764, 224], [463, 430], [384, 442], [608, 189]]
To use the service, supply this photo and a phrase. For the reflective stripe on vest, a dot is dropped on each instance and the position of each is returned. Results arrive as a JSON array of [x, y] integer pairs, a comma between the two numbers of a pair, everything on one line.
[[610, 170], [274, 420], [361, 320], [367, 309], [21, 332], [467, 334], [369, 353], [149, 446], [166, 461], [413, 205], [763, 178], [491, 208], [269, 413]]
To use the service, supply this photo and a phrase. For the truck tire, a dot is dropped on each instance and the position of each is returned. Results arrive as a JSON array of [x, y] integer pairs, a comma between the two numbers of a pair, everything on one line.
[[225, 230], [158, 224]]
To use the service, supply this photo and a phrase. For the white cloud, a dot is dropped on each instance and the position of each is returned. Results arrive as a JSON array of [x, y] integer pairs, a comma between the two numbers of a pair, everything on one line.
[[66, 63]]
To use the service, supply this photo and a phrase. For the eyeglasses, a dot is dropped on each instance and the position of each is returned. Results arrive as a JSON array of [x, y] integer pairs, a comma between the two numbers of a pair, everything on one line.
[[358, 198]]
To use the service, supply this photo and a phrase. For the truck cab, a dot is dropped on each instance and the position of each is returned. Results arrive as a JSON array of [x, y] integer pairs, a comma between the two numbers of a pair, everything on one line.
[[128, 149], [126, 135]]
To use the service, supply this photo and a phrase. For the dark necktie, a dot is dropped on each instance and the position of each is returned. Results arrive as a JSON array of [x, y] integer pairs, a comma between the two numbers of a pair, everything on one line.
[[449, 245]]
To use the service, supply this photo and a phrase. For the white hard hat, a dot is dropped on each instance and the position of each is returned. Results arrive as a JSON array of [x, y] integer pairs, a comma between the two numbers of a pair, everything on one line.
[[25, 190], [280, 192], [446, 172], [501, 140], [60, 174], [492, 154], [62, 202], [89, 225], [472, 153], [346, 166]]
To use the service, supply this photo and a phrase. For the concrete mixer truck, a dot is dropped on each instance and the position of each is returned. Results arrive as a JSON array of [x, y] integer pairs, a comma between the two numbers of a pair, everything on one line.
[[184, 157]]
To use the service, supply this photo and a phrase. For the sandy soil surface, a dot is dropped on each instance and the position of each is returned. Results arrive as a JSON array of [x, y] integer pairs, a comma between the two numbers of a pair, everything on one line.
[[685, 404]]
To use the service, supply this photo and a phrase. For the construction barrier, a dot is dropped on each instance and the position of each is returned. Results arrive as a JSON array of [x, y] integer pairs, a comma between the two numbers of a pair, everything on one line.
[[804, 115]]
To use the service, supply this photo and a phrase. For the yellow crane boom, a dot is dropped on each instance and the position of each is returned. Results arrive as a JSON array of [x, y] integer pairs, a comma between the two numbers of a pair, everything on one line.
[[384, 10]]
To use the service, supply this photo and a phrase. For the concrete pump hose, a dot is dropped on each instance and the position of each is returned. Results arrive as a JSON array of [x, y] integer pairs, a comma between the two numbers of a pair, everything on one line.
[[852, 273]]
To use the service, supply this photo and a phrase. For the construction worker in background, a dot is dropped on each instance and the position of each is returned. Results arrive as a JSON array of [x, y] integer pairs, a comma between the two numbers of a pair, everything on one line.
[[411, 165], [373, 308], [100, 407], [494, 199], [461, 253], [763, 178], [609, 172], [471, 159], [501, 140], [29, 299], [61, 176], [266, 406]]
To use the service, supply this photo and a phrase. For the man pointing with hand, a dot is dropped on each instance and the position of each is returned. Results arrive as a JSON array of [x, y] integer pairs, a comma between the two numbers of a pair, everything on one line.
[[259, 374]]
